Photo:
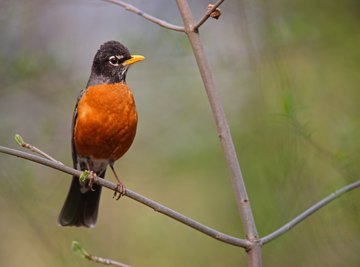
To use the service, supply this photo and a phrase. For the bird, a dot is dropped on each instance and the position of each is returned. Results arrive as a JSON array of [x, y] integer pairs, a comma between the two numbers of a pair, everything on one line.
[[103, 128]]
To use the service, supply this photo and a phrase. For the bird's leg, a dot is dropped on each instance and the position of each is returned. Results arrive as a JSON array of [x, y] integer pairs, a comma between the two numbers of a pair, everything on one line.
[[92, 176], [120, 185]]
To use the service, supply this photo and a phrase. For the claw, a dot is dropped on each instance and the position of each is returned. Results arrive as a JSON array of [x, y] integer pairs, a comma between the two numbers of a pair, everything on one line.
[[120, 191], [92, 176]]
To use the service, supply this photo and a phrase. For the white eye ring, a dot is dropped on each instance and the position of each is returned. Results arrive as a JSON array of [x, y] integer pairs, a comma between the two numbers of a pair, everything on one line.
[[115, 60]]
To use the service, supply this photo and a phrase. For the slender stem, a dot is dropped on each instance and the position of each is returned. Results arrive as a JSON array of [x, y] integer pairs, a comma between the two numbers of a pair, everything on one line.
[[207, 15], [188, 221], [221, 122], [32, 148], [135, 196], [40, 160], [223, 130], [309, 211], [77, 248], [153, 19], [105, 261]]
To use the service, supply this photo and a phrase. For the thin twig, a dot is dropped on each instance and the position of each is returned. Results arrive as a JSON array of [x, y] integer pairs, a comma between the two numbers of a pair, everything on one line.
[[179, 217], [77, 248], [137, 197], [32, 148], [106, 261], [221, 122], [153, 19], [207, 15], [242, 199], [309, 211]]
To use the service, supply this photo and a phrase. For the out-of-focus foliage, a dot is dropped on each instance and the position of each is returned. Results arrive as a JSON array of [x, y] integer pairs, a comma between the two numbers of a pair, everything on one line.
[[288, 75]]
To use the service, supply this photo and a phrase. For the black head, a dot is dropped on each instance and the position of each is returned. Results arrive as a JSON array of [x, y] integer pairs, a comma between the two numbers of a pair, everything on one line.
[[111, 63]]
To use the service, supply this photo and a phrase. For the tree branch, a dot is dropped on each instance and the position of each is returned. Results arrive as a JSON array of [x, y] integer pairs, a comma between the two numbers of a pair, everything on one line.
[[179, 217], [221, 122], [309, 211], [77, 248], [153, 19], [207, 15], [242, 199], [22, 143], [135, 196]]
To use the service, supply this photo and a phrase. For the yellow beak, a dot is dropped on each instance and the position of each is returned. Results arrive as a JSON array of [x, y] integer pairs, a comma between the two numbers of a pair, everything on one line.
[[133, 59]]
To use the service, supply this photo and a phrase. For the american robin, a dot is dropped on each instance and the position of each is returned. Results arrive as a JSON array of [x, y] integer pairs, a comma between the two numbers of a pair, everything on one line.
[[103, 128]]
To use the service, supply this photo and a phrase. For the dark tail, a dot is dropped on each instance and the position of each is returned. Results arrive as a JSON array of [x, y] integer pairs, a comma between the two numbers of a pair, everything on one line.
[[80, 209]]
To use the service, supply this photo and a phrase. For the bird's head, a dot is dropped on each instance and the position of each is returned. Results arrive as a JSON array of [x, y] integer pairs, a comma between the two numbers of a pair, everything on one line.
[[111, 63]]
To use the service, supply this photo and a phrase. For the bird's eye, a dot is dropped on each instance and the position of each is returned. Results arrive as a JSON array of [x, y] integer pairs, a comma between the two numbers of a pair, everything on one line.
[[113, 60]]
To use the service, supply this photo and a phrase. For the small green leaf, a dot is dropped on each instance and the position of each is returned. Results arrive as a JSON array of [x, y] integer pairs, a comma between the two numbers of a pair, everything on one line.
[[19, 140], [84, 176], [78, 249]]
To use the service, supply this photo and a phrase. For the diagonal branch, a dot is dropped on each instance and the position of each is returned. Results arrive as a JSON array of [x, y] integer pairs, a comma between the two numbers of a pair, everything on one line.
[[181, 218], [153, 19], [137, 197], [77, 248], [309, 211], [34, 149], [221, 122], [223, 130], [207, 15]]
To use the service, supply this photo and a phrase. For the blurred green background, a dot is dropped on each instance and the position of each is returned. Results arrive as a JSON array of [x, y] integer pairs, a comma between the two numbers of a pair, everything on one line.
[[288, 76]]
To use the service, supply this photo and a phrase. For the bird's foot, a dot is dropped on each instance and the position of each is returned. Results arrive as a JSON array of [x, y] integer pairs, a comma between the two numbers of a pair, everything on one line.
[[120, 191], [91, 178]]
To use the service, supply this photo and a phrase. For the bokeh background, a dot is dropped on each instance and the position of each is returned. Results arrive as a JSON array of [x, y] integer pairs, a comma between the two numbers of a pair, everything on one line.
[[288, 76]]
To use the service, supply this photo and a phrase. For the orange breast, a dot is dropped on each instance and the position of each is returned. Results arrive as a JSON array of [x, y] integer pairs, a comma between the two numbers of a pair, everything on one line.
[[106, 123]]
